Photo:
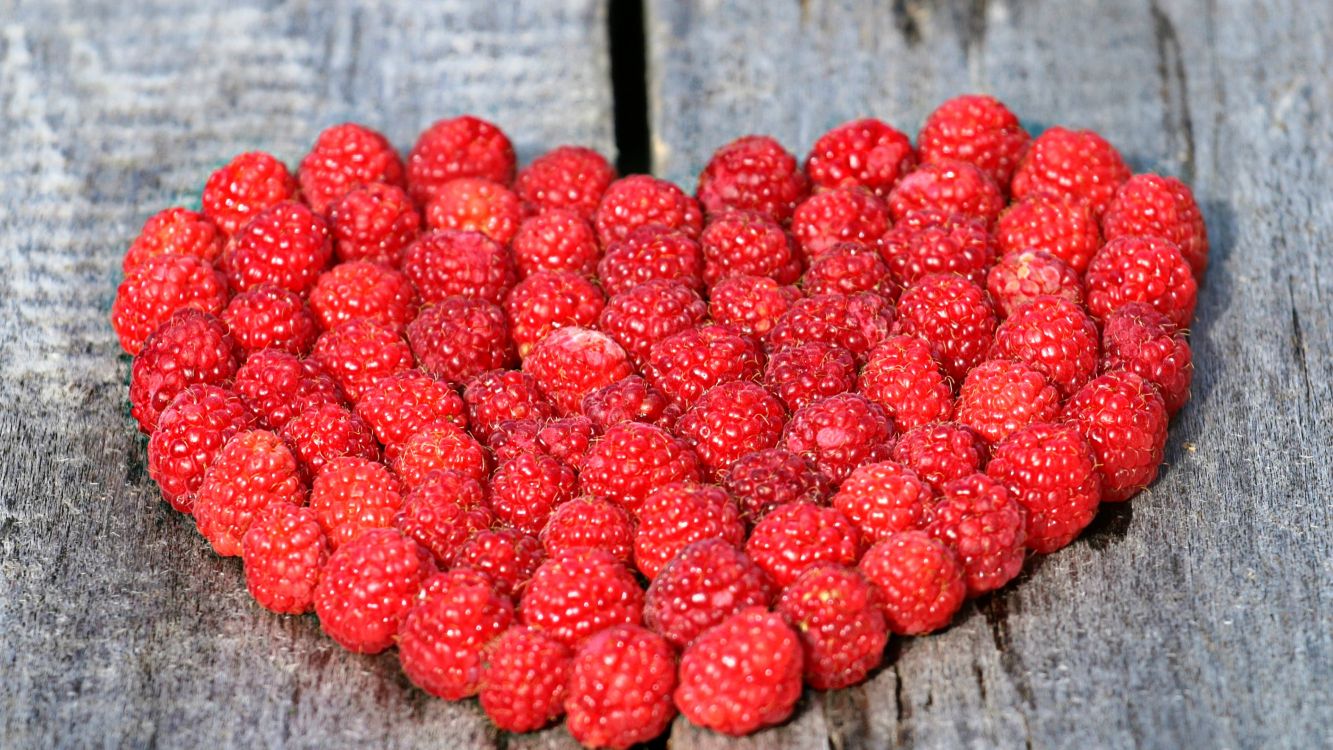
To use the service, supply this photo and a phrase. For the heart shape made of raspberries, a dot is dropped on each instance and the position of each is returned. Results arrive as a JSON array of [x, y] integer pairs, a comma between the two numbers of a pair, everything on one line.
[[587, 446]]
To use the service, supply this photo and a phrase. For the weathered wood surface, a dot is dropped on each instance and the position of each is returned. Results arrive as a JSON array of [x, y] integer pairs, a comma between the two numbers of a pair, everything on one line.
[[1197, 616]]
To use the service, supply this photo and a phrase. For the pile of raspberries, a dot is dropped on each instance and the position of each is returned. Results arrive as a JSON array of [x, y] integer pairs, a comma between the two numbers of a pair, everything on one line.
[[590, 447]]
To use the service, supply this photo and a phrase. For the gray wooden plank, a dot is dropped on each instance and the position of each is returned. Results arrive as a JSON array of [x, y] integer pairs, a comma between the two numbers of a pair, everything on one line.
[[1197, 616]]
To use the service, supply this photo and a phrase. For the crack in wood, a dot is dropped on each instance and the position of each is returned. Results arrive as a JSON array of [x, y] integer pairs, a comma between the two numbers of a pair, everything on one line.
[[1176, 117]]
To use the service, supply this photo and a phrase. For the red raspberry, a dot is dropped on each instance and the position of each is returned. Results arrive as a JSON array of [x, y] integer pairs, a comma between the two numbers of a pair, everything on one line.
[[831, 217], [246, 186], [508, 556], [1053, 335], [474, 204], [1140, 339], [620, 688], [941, 453], [934, 241], [742, 243], [631, 460], [443, 445], [742, 674], [278, 386], [882, 499], [1025, 275], [1050, 470], [984, 525], [555, 240], [866, 153], [568, 177], [753, 173], [848, 268], [638, 200], [919, 580], [836, 613], [675, 515], [546, 301], [1142, 269], [764, 480], [651, 253], [359, 289], [631, 399], [190, 433], [403, 404], [1124, 420], [581, 593], [903, 376], [287, 245], [368, 587], [460, 147], [270, 317], [448, 263], [809, 372], [977, 129], [1071, 162], [856, 322], [794, 537], [459, 338], [840, 433], [572, 362], [175, 231], [284, 551], [1062, 225], [444, 638], [526, 488], [701, 586], [325, 431], [361, 353], [1155, 206], [524, 679], [374, 223], [344, 157], [688, 363], [565, 439], [443, 512], [353, 495], [498, 395], [953, 187], [190, 347], [1000, 396], [158, 287], [730, 421], [750, 304], [648, 313], [589, 523], [252, 471], [951, 314]]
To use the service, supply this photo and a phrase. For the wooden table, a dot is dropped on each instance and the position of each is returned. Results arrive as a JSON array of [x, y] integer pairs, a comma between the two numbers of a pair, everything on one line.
[[1197, 616]]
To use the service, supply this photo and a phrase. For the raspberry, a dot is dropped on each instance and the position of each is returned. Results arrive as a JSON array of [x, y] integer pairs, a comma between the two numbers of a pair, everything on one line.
[[951, 314], [442, 512], [809, 372], [498, 395], [1071, 162], [651, 253], [360, 289], [864, 153], [566, 439], [175, 231], [508, 556], [1000, 396], [524, 679], [270, 317], [919, 581], [1140, 339], [1055, 337], [856, 322], [831, 217], [1050, 470], [742, 243], [403, 404], [1025, 275], [459, 338], [360, 354], [568, 177], [352, 495], [638, 200], [325, 431], [572, 362], [620, 688], [190, 347], [252, 471], [848, 268], [246, 186], [1062, 225], [794, 537], [648, 313], [287, 245], [158, 287], [526, 488], [631, 399], [753, 173], [1151, 205], [904, 378], [977, 129], [448, 263], [688, 363], [882, 499], [631, 460], [705, 583], [368, 587], [546, 301], [344, 157], [934, 241], [941, 453], [284, 551], [764, 480], [460, 147], [730, 421], [742, 674], [1123, 418], [189, 435], [675, 515], [555, 240], [840, 433], [954, 187], [589, 523], [1142, 269], [278, 386], [750, 304], [581, 593], [835, 612], [443, 445], [474, 204], [374, 223], [443, 639], [984, 525]]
